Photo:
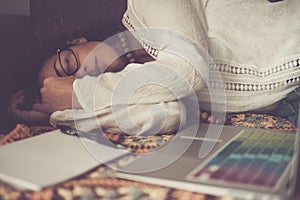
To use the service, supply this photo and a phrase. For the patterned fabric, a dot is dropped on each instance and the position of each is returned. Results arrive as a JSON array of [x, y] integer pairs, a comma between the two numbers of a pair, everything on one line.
[[100, 183], [140, 144], [260, 121], [98, 186], [250, 121]]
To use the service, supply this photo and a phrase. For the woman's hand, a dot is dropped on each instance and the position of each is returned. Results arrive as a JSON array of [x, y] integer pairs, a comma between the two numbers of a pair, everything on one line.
[[57, 94], [16, 111]]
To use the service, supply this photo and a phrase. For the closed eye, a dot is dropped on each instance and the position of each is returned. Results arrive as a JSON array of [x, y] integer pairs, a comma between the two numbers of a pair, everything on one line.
[[68, 67]]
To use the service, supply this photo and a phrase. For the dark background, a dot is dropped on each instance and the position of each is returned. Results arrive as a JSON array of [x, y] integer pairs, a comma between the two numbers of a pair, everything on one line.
[[27, 40]]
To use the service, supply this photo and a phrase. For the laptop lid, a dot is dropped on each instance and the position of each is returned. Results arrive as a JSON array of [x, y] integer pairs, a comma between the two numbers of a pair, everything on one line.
[[185, 173]]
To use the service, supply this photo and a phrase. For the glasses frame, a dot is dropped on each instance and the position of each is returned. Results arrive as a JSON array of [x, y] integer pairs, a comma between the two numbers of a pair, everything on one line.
[[58, 52]]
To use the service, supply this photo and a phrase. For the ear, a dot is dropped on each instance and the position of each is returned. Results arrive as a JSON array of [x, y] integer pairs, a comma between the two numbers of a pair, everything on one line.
[[76, 41]]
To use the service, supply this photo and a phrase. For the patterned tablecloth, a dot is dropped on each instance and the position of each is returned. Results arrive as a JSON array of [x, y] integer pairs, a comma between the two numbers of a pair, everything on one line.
[[100, 182]]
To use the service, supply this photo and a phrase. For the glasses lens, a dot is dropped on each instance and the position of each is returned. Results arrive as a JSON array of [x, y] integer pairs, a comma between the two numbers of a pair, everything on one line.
[[68, 62]]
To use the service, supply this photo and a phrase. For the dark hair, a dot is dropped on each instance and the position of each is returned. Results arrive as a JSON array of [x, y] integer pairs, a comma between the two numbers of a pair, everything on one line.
[[93, 31], [46, 45]]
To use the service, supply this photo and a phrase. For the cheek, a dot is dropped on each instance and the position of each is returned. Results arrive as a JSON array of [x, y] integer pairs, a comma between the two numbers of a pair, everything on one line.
[[83, 52]]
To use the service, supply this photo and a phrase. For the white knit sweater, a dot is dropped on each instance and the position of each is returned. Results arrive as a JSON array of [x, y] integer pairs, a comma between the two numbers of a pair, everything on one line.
[[254, 45]]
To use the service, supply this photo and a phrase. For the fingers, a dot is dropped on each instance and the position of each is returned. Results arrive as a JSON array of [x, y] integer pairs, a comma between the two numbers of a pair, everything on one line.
[[40, 107], [16, 100], [20, 114], [31, 117], [43, 107], [18, 97], [50, 80], [16, 111], [17, 94]]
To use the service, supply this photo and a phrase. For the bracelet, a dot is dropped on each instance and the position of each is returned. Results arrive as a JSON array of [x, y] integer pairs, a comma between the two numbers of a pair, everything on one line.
[[206, 117], [124, 44]]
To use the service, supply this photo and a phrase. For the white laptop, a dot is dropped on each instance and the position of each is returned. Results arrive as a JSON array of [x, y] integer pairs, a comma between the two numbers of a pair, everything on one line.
[[244, 163]]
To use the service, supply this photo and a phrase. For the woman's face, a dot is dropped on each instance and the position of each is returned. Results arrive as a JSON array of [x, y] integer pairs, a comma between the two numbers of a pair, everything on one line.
[[65, 62]]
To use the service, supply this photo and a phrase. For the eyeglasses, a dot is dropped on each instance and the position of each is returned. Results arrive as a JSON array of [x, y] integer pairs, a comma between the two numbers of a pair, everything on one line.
[[68, 63]]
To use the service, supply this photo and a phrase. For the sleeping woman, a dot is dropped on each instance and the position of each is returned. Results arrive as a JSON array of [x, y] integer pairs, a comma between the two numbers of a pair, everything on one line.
[[252, 45], [65, 64]]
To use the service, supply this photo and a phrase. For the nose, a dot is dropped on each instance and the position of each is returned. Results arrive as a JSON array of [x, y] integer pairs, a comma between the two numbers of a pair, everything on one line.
[[91, 70]]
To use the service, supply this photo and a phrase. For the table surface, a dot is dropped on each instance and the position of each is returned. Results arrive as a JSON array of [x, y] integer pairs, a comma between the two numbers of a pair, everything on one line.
[[99, 182]]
